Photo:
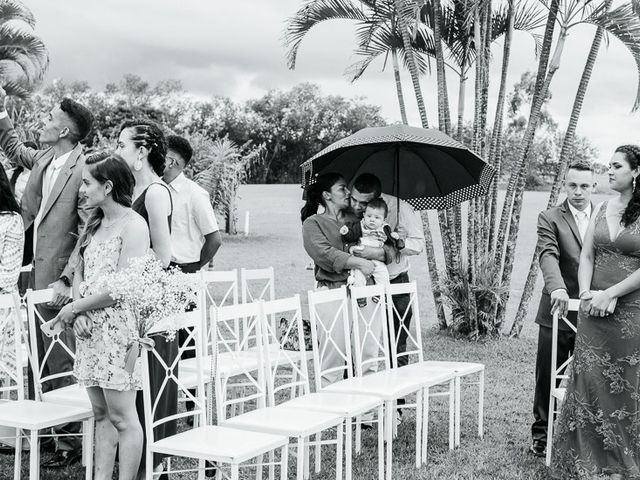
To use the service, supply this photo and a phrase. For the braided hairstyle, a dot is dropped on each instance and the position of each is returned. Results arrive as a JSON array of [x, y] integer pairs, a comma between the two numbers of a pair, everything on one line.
[[145, 133], [314, 191], [632, 212]]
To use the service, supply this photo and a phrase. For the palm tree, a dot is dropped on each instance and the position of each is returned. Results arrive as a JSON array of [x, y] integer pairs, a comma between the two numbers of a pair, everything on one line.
[[23, 56]]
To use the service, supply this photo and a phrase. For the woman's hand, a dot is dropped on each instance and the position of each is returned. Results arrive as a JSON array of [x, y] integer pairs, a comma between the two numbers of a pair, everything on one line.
[[83, 326], [66, 315], [599, 304], [366, 267]]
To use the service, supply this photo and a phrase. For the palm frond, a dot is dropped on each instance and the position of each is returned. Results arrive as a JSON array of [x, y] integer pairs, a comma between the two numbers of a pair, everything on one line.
[[624, 24], [25, 41], [15, 10], [312, 13], [354, 71]]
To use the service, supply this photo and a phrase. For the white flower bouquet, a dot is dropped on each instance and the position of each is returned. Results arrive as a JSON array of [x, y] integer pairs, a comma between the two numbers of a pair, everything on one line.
[[155, 297]]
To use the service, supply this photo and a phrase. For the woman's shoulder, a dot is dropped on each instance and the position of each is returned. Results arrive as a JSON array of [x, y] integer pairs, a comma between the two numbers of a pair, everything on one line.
[[135, 226]]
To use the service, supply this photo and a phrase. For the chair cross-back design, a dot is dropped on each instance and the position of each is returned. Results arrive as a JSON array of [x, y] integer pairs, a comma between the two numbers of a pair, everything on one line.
[[558, 373], [370, 331], [414, 338], [280, 359], [325, 330], [35, 298], [218, 289], [11, 372], [259, 284]]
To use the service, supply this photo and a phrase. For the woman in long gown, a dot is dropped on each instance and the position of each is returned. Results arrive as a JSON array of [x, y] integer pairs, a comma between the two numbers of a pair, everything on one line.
[[112, 236], [598, 432], [142, 144]]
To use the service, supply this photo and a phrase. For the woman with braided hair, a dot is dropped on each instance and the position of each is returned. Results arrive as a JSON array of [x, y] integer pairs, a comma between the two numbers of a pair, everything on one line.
[[143, 146], [598, 432]]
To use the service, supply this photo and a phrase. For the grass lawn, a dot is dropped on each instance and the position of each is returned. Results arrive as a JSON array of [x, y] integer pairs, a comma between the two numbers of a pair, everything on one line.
[[275, 240]]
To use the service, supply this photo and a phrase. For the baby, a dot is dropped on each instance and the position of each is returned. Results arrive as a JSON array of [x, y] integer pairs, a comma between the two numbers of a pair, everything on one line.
[[371, 231]]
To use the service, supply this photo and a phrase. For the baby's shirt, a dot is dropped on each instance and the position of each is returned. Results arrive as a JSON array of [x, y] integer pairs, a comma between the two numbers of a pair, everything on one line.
[[372, 237]]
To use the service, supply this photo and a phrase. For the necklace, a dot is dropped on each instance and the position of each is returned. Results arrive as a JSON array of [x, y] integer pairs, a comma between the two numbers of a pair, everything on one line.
[[105, 226]]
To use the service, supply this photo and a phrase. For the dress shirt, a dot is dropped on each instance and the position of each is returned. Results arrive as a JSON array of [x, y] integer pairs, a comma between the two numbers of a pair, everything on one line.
[[48, 181], [581, 218], [409, 227], [193, 218]]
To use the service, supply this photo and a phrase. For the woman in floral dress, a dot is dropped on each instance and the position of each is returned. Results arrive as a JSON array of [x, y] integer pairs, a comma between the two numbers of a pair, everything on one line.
[[598, 433], [104, 330]]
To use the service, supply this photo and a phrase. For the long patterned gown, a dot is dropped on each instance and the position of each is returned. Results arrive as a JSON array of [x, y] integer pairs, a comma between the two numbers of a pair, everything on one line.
[[598, 432]]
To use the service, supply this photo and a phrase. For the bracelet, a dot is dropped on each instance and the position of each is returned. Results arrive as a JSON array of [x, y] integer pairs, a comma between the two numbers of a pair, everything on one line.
[[588, 294]]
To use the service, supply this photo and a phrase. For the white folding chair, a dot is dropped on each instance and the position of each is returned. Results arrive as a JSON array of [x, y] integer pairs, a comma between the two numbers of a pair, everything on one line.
[[558, 373], [259, 284], [268, 416], [371, 353], [349, 405], [205, 442], [31, 415]]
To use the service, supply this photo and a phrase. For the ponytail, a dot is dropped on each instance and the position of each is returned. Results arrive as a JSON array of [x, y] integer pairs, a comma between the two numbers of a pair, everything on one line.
[[632, 211], [314, 191]]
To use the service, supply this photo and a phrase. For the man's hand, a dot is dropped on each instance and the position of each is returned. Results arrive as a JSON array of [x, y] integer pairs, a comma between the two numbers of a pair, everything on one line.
[[560, 302], [370, 253], [82, 326], [61, 294]]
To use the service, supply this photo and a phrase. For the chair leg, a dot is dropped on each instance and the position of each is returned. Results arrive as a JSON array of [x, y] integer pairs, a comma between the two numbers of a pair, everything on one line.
[[452, 415], [272, 467], [358, 435], [300, 455], [388, 424], [481, 404], [552, 408], [425, 426], [201, 468], [395, 422], [419, 399], [318, 452], [348, 448], [235, 474], [307, 467], [339, 450], [381, 442], [89, 434], [458, 409], [284, 463], [148, 463], [34, 457], [17, 461]]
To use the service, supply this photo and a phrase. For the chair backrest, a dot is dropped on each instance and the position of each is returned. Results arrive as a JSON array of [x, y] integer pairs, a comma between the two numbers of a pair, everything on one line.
[[558, 371], [218, 289], [285, 369], [259, 284], [189, 320], [370, 332], [329, 313], [405, 305], [246, 387], [11, 372], [35, 298]]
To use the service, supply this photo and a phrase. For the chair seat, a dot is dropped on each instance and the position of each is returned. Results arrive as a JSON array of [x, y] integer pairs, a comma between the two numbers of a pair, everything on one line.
[[432, 374], [275, 347], [69, 395], [345, 404], [386, 385], [221, 444], [461, 368], [228, 365], [281, 420], [32, 415], [559, 392]]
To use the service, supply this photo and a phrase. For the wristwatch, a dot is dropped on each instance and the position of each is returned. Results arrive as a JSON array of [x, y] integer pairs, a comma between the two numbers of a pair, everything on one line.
[[65, 280]]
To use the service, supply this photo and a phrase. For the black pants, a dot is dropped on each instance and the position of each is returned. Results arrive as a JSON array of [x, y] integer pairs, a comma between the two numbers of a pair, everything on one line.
[[183, 333], [566, 342]]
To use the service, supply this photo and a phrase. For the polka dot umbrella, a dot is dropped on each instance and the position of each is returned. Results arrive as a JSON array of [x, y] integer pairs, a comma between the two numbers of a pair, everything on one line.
[[424, 167]]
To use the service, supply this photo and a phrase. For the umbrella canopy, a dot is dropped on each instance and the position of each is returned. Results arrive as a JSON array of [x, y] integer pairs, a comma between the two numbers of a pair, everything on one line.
[[425, 167]]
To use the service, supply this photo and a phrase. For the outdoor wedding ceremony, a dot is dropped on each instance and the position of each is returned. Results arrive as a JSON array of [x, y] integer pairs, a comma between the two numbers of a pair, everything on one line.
[[320, 239]]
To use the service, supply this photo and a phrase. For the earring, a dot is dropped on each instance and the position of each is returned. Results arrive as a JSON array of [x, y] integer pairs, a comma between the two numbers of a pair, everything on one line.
[[137, 166]]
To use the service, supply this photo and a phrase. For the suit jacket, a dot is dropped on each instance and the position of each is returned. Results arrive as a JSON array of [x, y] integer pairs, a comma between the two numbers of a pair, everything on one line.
[[559, 244], [64, 213]]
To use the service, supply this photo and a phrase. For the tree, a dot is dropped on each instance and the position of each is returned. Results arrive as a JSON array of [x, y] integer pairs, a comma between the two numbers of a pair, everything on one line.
[[23, 56]]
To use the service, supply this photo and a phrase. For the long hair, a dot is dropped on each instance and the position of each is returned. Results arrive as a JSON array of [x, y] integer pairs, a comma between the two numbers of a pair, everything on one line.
[[8, 202], [632, 212], [105, 167], [314, 191], [148, 134]]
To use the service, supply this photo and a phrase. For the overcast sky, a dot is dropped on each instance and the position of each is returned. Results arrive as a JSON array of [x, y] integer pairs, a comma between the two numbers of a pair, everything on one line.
[[234, 48]]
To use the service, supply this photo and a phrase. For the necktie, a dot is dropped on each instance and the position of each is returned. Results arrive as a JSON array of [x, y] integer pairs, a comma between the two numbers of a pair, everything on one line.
[[583, 223]]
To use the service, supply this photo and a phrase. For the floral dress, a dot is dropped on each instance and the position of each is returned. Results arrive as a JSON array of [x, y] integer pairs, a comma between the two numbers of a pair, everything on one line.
[[100, 359], [598, 433]]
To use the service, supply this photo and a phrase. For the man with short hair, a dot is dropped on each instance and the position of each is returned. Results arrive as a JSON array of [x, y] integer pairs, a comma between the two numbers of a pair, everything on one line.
[[407, 222], [54, 214], [561, 231]]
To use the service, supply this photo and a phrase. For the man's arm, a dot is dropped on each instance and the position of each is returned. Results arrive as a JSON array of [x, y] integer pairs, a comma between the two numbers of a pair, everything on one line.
[[17, 153], [549, 254], [84, 212], [206, 221], [410, 230], [212, 243]]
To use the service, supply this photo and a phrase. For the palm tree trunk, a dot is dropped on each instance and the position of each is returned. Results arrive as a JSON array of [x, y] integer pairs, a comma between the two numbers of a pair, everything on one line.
[[396, 74], [461, 100], [565, 152]]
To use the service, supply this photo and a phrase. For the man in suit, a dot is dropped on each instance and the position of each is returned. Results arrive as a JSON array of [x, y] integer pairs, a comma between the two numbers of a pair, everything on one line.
[[53, 213], [561, 231]]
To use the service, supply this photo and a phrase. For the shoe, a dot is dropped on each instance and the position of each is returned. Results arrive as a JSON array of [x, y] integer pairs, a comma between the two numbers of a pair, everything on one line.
[[63, 459], [538, 448], [211, 469]]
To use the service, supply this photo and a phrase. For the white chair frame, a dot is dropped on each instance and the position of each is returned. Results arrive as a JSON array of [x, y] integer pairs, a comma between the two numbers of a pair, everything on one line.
[[558, 373]]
